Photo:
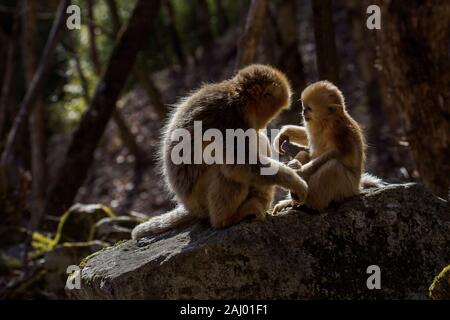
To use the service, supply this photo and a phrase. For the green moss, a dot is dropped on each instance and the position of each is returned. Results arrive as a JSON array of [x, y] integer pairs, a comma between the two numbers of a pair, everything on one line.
[[60, 232], [83, 262], [440, 288], [42, 243], [119, 242]]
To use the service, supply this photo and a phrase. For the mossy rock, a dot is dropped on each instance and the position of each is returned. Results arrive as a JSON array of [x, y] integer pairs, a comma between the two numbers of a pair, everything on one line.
[[56, 261], [440, 288], [78, 223]]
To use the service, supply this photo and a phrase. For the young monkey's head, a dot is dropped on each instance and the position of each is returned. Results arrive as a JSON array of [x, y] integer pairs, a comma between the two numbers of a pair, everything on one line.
[[321, 101], [266, 90]]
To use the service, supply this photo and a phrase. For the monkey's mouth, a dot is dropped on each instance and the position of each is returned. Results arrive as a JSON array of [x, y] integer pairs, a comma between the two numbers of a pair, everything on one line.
[[307, 118]]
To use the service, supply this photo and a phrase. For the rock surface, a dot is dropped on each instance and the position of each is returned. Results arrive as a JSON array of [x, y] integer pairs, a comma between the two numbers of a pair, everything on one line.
[[404, 229]]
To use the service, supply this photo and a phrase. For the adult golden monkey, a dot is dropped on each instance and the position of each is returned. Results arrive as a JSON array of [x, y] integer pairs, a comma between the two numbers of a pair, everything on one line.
[[334, 166], [225, 193]]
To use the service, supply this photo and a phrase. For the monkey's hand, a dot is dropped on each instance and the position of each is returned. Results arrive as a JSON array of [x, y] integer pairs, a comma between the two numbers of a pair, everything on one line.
[[278, 142], [294, 164], [283, 204], [303, 157], [293, 134]]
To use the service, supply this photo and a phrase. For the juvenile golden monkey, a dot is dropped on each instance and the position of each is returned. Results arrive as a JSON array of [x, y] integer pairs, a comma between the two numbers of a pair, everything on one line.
[[225, 193], [333, 169]]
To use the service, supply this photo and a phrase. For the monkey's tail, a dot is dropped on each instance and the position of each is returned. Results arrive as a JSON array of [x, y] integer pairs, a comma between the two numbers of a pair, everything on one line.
[[370, 181], [164, 222]]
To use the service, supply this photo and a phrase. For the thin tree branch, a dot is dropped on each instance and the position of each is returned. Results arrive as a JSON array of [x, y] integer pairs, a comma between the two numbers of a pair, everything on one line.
[[36, 85]]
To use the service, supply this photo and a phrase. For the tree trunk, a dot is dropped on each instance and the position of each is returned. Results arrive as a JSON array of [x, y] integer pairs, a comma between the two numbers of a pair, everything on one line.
[[271, 41], [244, 6], [327, 62], [253, 27], [38, 141], [35, 88], [93, 52], [128, 140], [205, 34], [222, 18], [8, 76], [139, 69], [176, 42], [80, 153], [203, 17], [414, 57], [150, 88], [126, 135], [114, 13], [290, 60], [365, 55], [14, 185]]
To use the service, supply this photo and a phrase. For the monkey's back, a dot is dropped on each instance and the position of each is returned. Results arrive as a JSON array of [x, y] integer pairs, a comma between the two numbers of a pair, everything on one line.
[[217, 106]]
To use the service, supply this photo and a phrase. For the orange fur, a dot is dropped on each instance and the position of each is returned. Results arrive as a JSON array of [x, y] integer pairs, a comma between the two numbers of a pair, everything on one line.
[[336, 143]]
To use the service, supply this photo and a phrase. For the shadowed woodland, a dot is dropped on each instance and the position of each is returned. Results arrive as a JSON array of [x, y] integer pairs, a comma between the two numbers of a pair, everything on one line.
[[81, 110]]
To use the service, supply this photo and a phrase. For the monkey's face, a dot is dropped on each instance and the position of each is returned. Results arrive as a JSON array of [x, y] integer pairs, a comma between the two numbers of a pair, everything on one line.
[[267, 91], [319, 110], [321, 101], [266, 102], [306, 112], [273, 100], [276, 97]]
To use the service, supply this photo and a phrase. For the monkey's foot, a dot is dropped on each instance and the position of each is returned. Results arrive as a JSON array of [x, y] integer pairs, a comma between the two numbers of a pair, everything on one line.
[[280, 206]]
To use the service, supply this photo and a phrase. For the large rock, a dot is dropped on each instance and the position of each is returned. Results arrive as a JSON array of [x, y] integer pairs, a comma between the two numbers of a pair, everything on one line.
[[403, 229]]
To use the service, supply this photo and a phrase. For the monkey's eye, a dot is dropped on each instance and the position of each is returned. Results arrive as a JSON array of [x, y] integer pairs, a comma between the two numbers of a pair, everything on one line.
[[307, 109]]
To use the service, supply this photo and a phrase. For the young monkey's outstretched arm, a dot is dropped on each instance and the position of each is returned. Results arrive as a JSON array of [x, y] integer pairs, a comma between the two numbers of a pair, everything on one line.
[[281, 175], [294, 134]]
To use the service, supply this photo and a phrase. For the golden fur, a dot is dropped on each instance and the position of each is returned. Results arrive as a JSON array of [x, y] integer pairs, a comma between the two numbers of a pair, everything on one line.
[[336, 147]]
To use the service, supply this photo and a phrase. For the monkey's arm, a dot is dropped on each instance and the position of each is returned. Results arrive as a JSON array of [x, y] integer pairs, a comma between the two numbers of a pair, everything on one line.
[[272, 173], [312, 166], [295, 134]]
